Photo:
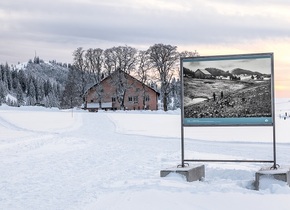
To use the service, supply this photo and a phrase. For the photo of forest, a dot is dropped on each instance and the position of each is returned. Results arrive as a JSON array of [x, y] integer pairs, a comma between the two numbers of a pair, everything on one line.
[[227, 88]]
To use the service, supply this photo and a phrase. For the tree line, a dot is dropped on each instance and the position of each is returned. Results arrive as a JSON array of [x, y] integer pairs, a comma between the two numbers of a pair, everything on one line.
[[157, 67]]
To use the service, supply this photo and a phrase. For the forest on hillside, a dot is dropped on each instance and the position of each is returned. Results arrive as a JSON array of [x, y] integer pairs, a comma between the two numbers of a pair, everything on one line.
[[56, 84], [30, 86]]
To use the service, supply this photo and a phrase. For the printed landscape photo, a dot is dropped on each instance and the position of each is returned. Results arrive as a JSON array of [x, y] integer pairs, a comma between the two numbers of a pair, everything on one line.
[[227, 87]]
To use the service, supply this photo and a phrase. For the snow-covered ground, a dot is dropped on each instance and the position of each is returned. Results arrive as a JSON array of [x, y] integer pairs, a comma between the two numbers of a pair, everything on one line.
[[72, 159]]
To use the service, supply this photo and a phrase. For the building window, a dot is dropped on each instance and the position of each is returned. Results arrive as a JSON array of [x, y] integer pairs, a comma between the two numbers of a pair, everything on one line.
[[130, 98], [147, 98], [92, 100], [113, 99], [135, 99]]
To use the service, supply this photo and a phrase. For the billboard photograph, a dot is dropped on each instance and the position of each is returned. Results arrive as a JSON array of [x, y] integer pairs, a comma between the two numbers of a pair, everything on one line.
[[227, 90]]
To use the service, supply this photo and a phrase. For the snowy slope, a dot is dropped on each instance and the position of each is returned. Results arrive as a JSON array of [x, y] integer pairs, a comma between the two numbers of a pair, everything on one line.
[[51, 159]]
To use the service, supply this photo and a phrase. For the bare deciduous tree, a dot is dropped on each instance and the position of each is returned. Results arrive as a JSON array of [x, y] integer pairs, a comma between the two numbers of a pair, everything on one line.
[[110, 60], [120, 61], [71, 94], [143, 70], [80, 64], [189, 54], [122, 57], [164, 61], [94, 61]]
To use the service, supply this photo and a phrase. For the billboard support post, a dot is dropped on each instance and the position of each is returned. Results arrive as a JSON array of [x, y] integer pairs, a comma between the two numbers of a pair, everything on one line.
[[275, 166], [182, 146]]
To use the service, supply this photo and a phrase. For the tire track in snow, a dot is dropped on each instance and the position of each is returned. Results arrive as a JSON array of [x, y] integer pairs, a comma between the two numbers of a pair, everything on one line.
[[31, 140], [6, 124]]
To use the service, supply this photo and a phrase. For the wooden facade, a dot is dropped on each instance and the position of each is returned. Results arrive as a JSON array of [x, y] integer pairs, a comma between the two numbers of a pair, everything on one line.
[[120, 91]]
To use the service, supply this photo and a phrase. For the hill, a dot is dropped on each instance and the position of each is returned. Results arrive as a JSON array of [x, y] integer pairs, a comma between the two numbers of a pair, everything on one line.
[[218, 72], [239, 71], [33, 83], [52, 71]]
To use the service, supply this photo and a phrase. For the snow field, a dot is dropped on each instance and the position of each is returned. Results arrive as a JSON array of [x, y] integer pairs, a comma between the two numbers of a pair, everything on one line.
[[52, 159]]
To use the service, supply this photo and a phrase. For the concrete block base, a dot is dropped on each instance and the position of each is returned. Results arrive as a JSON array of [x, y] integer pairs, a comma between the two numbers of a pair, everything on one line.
[[192, 173], [278, 174]]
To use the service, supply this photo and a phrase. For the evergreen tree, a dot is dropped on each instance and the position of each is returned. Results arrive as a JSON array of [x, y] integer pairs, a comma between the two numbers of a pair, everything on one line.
[[2, 93], [4, 77], [36, 89], [7, 72], [47, 87], [40, 90], [36, 60], [1, 73], [175, 94], [19, 96], [52, 100], [56, 93], [22, 80], [72, 94], [31, 100], [15, 83]]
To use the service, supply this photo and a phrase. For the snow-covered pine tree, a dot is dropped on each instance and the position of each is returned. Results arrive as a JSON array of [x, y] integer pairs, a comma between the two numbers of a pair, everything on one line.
[[31, 100], [22, 80], [1, 73], [72, 94], [19, 96], [2, 92]]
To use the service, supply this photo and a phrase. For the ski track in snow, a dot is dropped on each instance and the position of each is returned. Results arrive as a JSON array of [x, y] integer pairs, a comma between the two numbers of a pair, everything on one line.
[[92, 166], [61, 166], [9, 125]]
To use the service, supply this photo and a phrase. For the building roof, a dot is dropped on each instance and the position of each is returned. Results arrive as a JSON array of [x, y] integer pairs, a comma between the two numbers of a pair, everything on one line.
[[125, 74], [203, 71]]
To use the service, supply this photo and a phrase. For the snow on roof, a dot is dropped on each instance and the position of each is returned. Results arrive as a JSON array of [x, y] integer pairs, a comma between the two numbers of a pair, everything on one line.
[[108, 76], [203, 71]]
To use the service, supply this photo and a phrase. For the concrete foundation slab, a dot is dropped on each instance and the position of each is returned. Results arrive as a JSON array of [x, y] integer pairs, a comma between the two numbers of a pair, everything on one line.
[[192, 173], [278, 174]]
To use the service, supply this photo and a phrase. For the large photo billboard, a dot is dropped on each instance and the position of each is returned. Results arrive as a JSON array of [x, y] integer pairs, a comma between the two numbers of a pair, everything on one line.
[[227, 90]]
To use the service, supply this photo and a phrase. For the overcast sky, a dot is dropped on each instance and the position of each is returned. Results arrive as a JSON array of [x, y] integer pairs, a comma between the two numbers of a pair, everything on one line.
[[54, 29]]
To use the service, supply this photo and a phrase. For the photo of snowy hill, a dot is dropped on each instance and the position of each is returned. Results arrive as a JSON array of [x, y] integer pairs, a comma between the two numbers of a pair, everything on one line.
[[72, 159]]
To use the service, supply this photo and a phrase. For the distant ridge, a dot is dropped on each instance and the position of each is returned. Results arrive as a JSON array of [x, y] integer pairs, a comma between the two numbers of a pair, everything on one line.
[[218, 72], [239, 71]]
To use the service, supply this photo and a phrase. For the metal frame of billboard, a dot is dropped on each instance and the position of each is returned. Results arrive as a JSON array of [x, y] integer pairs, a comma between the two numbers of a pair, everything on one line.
[[228, 121]]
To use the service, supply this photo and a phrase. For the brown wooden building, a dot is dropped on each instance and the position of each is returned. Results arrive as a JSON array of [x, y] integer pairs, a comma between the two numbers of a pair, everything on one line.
[[120, 91], [203, 74]]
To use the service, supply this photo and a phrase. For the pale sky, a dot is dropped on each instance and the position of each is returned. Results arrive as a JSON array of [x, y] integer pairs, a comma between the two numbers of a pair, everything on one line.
[[54, 29], [252, 62]]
